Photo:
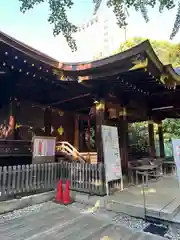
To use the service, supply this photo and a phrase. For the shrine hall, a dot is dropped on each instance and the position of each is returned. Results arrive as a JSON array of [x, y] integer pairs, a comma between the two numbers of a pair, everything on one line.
[[71, 101]]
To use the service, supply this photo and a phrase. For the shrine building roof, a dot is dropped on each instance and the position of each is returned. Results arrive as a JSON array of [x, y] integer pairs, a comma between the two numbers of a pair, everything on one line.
[[136, 75]]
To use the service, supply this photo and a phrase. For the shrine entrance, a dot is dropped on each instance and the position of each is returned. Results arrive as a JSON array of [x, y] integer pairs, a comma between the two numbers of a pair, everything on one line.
[[87, 129]]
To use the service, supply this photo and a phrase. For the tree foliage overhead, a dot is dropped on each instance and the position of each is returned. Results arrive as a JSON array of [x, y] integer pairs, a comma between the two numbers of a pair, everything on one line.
[[139, 137], [58, 13], [168, 53], [57, 17]]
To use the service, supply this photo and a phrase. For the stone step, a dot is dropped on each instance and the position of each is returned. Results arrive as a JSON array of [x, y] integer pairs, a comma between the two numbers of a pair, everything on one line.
[[161, 211], [170, 210], [126, 208], [176, 218]]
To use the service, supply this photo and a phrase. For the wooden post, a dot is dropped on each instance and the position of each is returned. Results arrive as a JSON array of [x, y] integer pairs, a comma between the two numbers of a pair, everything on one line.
[[81, 134], [47, 121], [151, 139], [161, 140], [100, 112], [76, 132], [123, 138], [89, 133], [12, 118], [12, 107]]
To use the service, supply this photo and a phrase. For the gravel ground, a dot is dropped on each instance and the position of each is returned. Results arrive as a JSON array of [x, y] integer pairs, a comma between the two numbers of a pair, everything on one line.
[[22, 212], [116, 218], [173, 233]]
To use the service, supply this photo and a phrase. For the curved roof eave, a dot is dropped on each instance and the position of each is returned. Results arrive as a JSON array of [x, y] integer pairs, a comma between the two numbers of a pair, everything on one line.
[[83, 66], [144, 47], [140, 48], [31, 52], [172, 73]]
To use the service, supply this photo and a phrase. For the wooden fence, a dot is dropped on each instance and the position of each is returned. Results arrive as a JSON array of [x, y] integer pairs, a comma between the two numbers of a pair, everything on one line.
[[28, 179]]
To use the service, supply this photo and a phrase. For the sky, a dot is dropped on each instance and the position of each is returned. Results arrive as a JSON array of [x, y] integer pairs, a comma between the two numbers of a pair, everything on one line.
[[33, 28]]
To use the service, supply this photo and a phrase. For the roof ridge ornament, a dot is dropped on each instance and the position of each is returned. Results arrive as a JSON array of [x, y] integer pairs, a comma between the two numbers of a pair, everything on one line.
[[139, 63]]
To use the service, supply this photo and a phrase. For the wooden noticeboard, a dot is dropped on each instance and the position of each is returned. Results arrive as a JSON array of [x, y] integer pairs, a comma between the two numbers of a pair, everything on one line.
[[112, 159], [44, 149]]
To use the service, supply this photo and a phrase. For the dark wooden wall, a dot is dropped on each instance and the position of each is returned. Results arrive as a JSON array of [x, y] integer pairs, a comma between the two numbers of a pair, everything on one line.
[[32, 119], [65, 121], [30, 115], [4, 114]]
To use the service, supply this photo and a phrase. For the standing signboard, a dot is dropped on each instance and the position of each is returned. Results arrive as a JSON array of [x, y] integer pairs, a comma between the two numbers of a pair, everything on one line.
[[111, 152], [176, 154], [43, 149]]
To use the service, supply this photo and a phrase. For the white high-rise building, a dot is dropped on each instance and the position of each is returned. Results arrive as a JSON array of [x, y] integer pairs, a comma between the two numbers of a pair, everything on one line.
[[98, 38]]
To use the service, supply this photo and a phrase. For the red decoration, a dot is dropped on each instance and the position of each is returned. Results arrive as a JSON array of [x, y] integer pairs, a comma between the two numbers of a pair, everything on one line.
[[83, 66], [11, 122], [67, 67], [40, 148]]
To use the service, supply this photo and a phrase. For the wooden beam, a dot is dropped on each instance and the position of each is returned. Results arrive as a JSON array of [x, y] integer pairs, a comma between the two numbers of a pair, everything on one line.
[[70, 99], [76, 132], [100, 117], [161, 140], [151, 139]]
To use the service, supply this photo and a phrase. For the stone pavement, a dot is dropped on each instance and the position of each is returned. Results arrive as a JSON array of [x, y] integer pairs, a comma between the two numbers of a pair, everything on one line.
[[162, 199], [65, 222]]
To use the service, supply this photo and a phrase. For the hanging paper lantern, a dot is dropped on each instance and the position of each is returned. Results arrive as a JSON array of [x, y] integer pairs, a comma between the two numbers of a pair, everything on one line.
[[61, 113], [112, 113], [123, 112], [100, 106]]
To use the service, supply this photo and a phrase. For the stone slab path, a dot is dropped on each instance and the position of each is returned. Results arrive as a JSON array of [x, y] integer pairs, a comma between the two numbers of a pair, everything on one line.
[[56, 222]]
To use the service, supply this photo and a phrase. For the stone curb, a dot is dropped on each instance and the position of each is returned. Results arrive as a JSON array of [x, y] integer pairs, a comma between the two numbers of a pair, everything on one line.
[[15, 204]]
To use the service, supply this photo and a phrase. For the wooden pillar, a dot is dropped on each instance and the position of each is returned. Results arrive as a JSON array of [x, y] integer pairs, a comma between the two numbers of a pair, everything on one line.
[[151, 139], [89, 133], [12, 107], [81, 135], [47, 121], [12, 118], [123, 139], [76, 132], [161, 140], [100, 116]]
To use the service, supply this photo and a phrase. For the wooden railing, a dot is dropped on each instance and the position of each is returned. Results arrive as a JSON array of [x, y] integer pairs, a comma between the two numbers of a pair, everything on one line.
[[67, 148], [90, 157], [23, 180]]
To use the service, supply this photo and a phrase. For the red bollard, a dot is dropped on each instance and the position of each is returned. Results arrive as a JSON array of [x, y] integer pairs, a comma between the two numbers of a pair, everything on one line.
[[59, 195], [66, 197]]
